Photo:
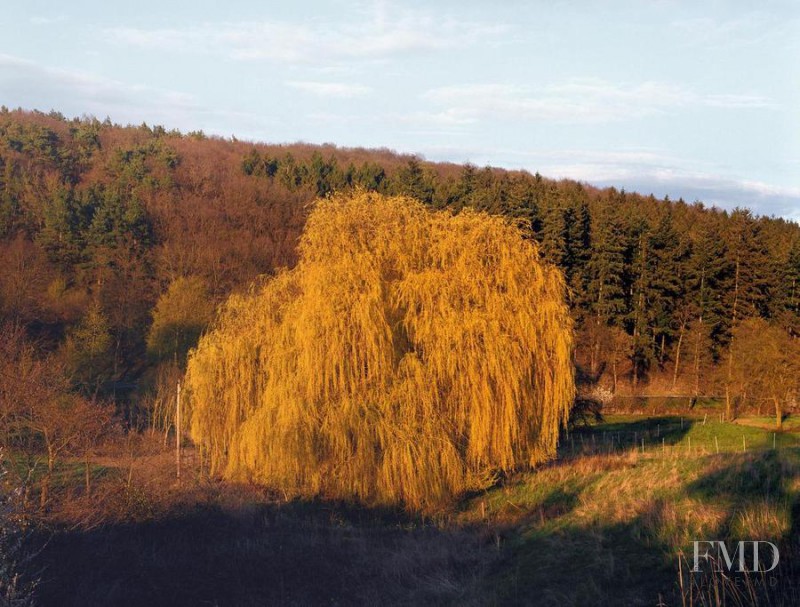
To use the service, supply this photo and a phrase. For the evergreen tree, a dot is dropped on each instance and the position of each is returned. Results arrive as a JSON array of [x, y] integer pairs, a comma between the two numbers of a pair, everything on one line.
[[605, 295], [62, 233], [370, 176], [554, 234], [578, 252], [413, 181], [665, 285], [641, 344], [522, 203], [788, 300]]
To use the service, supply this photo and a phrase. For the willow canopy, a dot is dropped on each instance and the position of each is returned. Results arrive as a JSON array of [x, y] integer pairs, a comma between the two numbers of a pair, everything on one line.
[[408, 357]]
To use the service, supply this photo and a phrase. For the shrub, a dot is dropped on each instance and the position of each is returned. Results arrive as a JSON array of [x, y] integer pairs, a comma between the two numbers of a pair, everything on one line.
[[14, 589]]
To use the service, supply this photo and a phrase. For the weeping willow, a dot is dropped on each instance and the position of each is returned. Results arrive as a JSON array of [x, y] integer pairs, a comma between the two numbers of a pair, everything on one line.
[[410, 356]]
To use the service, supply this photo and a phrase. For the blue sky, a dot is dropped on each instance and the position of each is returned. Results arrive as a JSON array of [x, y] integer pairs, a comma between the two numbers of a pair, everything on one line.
[[699, 100]]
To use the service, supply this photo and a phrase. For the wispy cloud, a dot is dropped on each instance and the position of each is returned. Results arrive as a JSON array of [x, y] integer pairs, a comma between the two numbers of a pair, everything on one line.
[[384, 32], [748, 29], [49, 20], [718, 190], [575, 101], [643, 170], [330, 89], [649, 171], [31, 85]]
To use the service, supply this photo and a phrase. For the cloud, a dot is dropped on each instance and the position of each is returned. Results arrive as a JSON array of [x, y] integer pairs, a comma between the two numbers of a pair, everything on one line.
[[640, 170], [575, 101], [752, 28], [330, 89], [30, 85], [49, 20], [663, 175], [720, 191], [385, 32]]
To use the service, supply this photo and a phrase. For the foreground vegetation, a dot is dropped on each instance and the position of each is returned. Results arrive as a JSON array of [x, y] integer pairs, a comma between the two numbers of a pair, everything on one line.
[[607, 523]]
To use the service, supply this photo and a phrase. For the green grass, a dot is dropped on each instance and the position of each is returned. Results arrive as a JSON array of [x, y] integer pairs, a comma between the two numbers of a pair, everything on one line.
[[707, 434], [607, 522], [67, 473]]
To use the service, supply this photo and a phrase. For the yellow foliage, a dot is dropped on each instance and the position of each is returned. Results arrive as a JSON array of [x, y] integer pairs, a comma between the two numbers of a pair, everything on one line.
[[179, 318], [407, 358]]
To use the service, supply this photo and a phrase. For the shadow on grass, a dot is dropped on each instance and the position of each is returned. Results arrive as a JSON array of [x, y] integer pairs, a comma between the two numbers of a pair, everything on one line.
[[539, 551], [580, 560], [620, 436], [266, 554], [598, 564], [763, 495]]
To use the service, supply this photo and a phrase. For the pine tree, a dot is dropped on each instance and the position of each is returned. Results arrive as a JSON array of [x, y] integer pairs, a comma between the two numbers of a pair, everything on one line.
[[413, 181], [748, 297], [371, 177], [666, 284], [522, 204], [788, 299], [605, 295], [708, 280], [62, 234], [554, 234], [641, 344], [578, 253]]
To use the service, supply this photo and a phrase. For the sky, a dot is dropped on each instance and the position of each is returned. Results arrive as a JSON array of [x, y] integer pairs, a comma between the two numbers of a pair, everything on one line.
[[696, 100]]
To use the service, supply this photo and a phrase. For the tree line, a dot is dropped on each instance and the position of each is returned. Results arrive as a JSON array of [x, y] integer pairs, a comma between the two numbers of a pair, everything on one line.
[[117, 242]]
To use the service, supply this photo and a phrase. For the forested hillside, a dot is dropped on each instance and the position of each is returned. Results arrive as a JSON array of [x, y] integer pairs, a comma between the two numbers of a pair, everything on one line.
[[117, 242]]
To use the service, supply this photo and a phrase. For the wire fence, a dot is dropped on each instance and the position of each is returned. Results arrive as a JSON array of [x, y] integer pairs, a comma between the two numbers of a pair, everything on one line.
[[668, 437]]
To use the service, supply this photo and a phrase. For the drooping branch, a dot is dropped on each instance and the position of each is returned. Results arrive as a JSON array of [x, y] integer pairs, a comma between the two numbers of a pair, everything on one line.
[[407, 358]]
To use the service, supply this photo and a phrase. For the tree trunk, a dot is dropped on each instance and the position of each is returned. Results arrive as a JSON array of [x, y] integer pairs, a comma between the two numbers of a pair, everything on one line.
[[614, 370], [699, 334], [43, 495], [678, 356], [778, 414], [639, 309], [596, 348], [88, 474], [730, 346], [728, 408], [51, 464]]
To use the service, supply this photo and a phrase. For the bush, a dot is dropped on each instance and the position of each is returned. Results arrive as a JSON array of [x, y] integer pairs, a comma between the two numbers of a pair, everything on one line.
[[15, 590]]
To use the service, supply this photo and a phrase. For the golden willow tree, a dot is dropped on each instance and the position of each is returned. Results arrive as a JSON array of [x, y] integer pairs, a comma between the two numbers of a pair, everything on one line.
[[407, 358]]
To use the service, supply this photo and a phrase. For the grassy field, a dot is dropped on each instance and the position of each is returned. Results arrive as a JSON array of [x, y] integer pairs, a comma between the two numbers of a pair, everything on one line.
[[604, 524], [607, 522]]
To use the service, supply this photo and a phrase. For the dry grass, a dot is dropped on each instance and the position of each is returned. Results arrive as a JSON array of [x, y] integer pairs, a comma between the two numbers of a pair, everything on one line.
[[594, 527]]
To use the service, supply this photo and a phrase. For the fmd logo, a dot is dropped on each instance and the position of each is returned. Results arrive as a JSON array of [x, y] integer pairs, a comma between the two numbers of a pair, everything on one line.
[[747, 556]]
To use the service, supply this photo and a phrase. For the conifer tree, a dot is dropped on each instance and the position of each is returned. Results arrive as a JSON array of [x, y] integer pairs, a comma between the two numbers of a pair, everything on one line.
[[666, 284], [748, 296], [605, 296], [412, 180]]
